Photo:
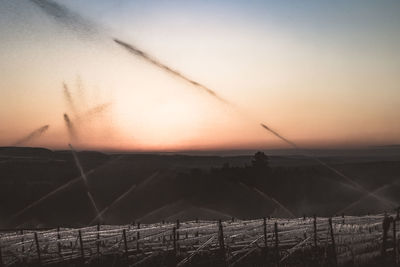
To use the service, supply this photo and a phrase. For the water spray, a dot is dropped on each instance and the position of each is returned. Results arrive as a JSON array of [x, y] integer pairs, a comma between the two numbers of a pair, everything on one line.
[[121, 197], [376, 191], [35, 134], [69, 100], [63, 15], [137, 52], [95, 111], [70, 127], [84, 179], [58, 189], [264, 195], [355, 185]]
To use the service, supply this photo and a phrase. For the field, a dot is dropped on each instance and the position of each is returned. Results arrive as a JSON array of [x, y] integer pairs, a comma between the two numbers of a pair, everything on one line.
[[199, 133], [337, 241], [180, 210], [37, 185]]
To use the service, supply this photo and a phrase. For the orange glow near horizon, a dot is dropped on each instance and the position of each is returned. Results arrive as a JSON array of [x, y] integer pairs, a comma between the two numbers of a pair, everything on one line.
[[319, 89]]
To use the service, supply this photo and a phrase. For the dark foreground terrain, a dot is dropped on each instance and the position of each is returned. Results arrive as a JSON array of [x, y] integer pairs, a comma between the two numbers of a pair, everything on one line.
[[339, 241], [44, 188]]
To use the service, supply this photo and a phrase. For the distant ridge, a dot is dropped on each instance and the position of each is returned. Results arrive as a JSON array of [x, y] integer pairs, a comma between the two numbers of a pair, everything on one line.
[[388, 146], [320, 152], [25, 151]]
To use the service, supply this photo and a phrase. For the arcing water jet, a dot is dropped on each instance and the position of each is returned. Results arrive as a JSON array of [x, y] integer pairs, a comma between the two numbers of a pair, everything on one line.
[[70, 127], [35, 134]]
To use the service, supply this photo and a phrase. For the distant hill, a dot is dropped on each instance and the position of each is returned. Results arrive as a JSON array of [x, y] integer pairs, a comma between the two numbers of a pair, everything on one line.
[[155, 187]]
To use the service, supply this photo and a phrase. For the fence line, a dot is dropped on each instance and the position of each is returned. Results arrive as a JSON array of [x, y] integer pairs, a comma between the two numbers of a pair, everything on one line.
[[337, 240]]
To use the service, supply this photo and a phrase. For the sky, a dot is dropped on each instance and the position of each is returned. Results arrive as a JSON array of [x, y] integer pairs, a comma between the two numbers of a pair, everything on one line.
[[320, 73]]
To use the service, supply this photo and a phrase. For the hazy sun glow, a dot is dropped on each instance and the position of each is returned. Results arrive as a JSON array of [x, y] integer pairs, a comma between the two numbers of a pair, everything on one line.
[[321, 73]]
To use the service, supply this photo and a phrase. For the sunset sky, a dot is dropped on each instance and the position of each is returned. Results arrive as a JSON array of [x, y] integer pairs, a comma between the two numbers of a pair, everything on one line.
[[321, 73]]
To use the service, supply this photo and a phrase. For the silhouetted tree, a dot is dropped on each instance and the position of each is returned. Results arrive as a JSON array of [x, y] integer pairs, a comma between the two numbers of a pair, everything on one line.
[[260, 160]]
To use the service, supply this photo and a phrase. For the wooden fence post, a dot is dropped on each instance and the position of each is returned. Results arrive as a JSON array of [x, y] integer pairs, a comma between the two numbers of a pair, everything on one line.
[[98, 240], [277, 257], [125, 244], [395, 251], [58, 241], [265, 234], [137, 237], [396, 240], [265, 239], [385, 226], [1, 257], [22, 240], [38, 248], [221, 241], [197, 232], [23, 247], [174, 242], [333, 242], [315, 231], [178, 224], [81, 245]]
